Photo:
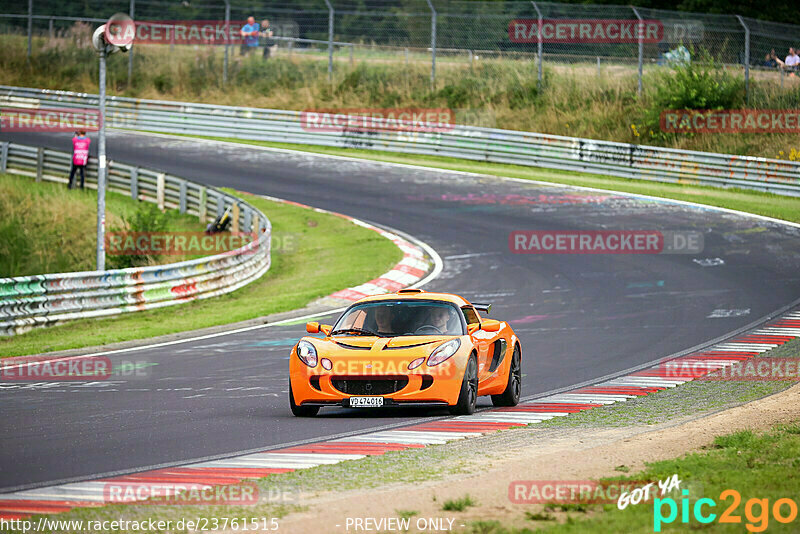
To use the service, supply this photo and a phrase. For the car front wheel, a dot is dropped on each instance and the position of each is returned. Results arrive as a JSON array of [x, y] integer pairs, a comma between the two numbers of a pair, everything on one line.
[[468, 396]]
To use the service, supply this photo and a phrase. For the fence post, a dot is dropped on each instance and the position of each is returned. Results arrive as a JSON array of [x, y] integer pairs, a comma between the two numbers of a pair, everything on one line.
[[248, 220], [50, 29], [160, 183], [130, 52], [640, 32], [30, 28], [227, 38], [39, 163], [746, 60], [235, 218], [182, 198], [539, 45], [3, 156], [135, 183], [330, 39], [201, 202], [433, 44]]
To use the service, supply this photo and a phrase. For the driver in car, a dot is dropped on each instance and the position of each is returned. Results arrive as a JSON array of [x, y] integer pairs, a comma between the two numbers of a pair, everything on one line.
[[383, 319], [438, 318]]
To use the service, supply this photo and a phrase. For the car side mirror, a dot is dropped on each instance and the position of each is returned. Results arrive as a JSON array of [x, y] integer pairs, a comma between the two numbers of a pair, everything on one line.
[[490, 325], [472, 328], [314, 327]]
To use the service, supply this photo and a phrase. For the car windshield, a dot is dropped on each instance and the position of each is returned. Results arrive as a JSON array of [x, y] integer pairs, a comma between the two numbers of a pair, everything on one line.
[[389, 318]]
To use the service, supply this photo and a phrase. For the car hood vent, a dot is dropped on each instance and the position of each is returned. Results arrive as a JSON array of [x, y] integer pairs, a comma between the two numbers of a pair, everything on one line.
[[406, 343], [356, 346]]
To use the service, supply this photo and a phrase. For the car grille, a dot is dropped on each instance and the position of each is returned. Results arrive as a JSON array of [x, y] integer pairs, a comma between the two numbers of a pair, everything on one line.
[[369, 386]]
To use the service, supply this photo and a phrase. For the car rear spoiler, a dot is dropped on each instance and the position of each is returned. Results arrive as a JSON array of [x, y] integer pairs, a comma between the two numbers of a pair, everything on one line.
[[483, 308]]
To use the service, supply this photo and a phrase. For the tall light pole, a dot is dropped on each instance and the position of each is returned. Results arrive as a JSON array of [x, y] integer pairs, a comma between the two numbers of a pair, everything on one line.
[[101, 169], [115, 35]]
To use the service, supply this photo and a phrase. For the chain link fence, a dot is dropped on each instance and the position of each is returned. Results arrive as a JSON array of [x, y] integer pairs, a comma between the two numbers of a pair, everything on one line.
[[453, 34]]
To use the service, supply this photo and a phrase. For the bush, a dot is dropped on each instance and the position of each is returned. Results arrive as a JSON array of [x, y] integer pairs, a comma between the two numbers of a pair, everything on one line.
[[693, 86], [148, 218]]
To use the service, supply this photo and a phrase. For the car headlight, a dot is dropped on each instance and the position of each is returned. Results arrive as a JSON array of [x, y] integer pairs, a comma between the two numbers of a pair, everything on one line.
[[307, 353], [444, 351]]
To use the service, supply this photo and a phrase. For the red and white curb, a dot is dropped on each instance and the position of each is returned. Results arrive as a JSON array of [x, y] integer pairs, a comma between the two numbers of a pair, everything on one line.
[[64, 497], [410, 270]]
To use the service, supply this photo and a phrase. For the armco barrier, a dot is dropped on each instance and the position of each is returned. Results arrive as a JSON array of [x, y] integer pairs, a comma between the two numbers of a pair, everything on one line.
[[474, 143], [30, 301]]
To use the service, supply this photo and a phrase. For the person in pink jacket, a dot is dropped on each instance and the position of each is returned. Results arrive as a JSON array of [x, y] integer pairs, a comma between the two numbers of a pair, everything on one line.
[[80, 156]]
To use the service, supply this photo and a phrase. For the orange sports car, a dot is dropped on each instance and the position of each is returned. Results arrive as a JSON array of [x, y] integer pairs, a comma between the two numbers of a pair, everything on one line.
[[409, 348]]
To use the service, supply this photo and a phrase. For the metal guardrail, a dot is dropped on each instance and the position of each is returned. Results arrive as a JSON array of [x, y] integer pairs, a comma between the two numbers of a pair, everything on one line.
[[466, 142], [30, 301]]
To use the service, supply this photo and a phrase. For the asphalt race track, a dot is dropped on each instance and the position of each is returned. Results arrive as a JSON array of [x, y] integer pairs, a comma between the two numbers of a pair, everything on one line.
[[579, 316]]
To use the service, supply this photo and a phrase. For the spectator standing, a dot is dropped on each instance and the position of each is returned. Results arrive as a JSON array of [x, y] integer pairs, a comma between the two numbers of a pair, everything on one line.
[[249, 33], [266, 33], [80, 156], [792, 60]]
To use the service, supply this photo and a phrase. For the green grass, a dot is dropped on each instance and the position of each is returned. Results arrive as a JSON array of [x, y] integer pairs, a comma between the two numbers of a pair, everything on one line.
[[406, 514], [317, 254], [46, 228], [766, 204], [458, 505], [539, 516]]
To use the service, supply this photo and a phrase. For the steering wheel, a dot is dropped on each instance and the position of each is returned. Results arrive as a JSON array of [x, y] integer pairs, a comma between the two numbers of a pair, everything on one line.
[[426, 329]]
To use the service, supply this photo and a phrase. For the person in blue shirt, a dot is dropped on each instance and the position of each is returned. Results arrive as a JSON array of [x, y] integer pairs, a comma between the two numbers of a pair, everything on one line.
[[249, 33]]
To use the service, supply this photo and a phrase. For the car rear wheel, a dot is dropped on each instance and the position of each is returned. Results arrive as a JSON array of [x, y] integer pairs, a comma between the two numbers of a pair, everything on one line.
[[468, 396], [301, 411], [510, 397]]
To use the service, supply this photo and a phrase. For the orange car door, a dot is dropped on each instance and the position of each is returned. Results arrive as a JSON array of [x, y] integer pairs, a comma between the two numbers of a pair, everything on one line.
[[480, 338]]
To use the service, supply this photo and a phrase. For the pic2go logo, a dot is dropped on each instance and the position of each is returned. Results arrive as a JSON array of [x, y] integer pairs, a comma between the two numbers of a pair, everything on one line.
[[756, 511]]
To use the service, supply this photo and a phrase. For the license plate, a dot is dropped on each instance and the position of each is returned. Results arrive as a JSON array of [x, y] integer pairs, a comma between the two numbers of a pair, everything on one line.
[[366, 402]]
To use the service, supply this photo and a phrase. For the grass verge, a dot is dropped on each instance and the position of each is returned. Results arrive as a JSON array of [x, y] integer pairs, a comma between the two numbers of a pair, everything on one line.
[[314, 254], [46, 228], [766, 204]]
